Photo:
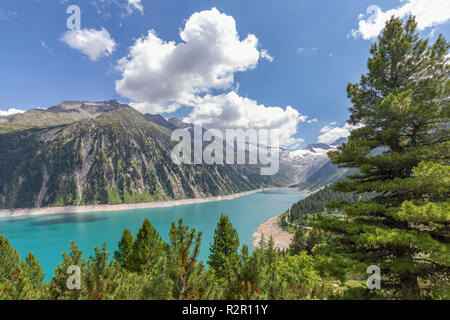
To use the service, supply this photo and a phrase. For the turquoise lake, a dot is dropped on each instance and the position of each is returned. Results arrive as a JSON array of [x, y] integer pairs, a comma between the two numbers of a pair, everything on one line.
[[47, 236]]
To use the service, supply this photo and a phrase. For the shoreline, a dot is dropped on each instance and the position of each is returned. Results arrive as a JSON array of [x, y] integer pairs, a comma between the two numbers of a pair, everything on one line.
[[7, 213], [282, 239]]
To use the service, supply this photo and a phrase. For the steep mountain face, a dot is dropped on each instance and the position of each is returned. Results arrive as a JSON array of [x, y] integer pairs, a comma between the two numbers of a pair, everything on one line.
[[313, 168], [304, 162], [330, 173], [80, 153], [325, 175]]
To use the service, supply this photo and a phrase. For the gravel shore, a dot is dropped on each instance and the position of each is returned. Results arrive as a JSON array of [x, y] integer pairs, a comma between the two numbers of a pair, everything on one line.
[[120, 207], [281, 238]]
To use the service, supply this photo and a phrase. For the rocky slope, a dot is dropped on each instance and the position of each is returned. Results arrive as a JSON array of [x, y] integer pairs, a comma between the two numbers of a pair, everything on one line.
[[81, 153]]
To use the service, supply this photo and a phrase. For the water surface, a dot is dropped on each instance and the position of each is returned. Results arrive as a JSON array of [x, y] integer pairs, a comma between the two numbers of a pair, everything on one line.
[[47, 236]]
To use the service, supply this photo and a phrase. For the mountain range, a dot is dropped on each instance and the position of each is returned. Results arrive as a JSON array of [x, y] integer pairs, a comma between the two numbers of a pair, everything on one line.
[[81, 153]]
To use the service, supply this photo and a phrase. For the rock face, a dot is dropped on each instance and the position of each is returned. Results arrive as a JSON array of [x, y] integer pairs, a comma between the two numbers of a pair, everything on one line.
[[311, 166], [80, 153], [304, 162]]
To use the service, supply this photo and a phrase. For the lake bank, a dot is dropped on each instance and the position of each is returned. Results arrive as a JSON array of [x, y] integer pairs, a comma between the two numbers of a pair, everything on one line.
[[121, 207], [282, 238], [270, 228]]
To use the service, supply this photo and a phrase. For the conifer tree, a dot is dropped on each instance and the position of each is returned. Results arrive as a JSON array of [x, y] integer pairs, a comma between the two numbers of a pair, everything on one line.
[[402, 109], [19, 279], [35, 271], [243, 274], [124, 248], [9, 259], [148, 249], [187, 273], [102, 277], [299, 242], [226, 244], [59, 288]]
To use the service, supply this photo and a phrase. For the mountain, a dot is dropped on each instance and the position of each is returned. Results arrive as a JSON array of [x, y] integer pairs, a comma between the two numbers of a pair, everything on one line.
[[329, 173], [171, 124], [304, 162], [80, 153], [313, 167], [298, 164], [325, 175], [339, 141], [65, 113]]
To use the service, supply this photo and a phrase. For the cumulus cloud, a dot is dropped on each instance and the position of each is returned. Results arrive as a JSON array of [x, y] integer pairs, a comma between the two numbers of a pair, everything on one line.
[[161, 76], [157, 73], [331, 134], [428, 14], [10, 112], [91, 42], [231, 111]]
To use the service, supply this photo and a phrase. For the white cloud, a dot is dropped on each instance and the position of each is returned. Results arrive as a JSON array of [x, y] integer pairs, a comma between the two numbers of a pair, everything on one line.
[[135, 5], [428, 14], [127, 7], [91, 42], [325, 129], [231, 111], [331, 134], [161, 76], [158, 73], [265, 55], [10, 112]]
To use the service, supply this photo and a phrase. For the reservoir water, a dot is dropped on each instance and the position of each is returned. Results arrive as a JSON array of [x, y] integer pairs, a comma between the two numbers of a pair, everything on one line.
[[48, 236]]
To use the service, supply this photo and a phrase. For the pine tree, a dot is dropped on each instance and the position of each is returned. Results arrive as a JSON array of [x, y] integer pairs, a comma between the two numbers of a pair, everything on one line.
[[402, 108], [148, 249], [124, 248], [59, 288], [299, 243], [9, 259], [13, 281], [226, 244], [187, 273], [102, 277], [35, 271]]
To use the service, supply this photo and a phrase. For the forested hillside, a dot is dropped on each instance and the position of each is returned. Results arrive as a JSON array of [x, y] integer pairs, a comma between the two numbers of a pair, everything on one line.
[[308, 208]]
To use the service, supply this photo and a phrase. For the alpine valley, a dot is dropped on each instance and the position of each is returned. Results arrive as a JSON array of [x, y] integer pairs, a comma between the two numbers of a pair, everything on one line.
[[83, 153]]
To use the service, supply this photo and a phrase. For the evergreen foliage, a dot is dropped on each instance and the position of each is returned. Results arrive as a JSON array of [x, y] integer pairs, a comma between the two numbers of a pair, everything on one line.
[[226, 244], [402, 105], [264, 274]]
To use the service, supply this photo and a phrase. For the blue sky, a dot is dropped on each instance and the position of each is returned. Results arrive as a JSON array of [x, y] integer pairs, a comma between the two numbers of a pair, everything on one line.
[[315, 54]]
